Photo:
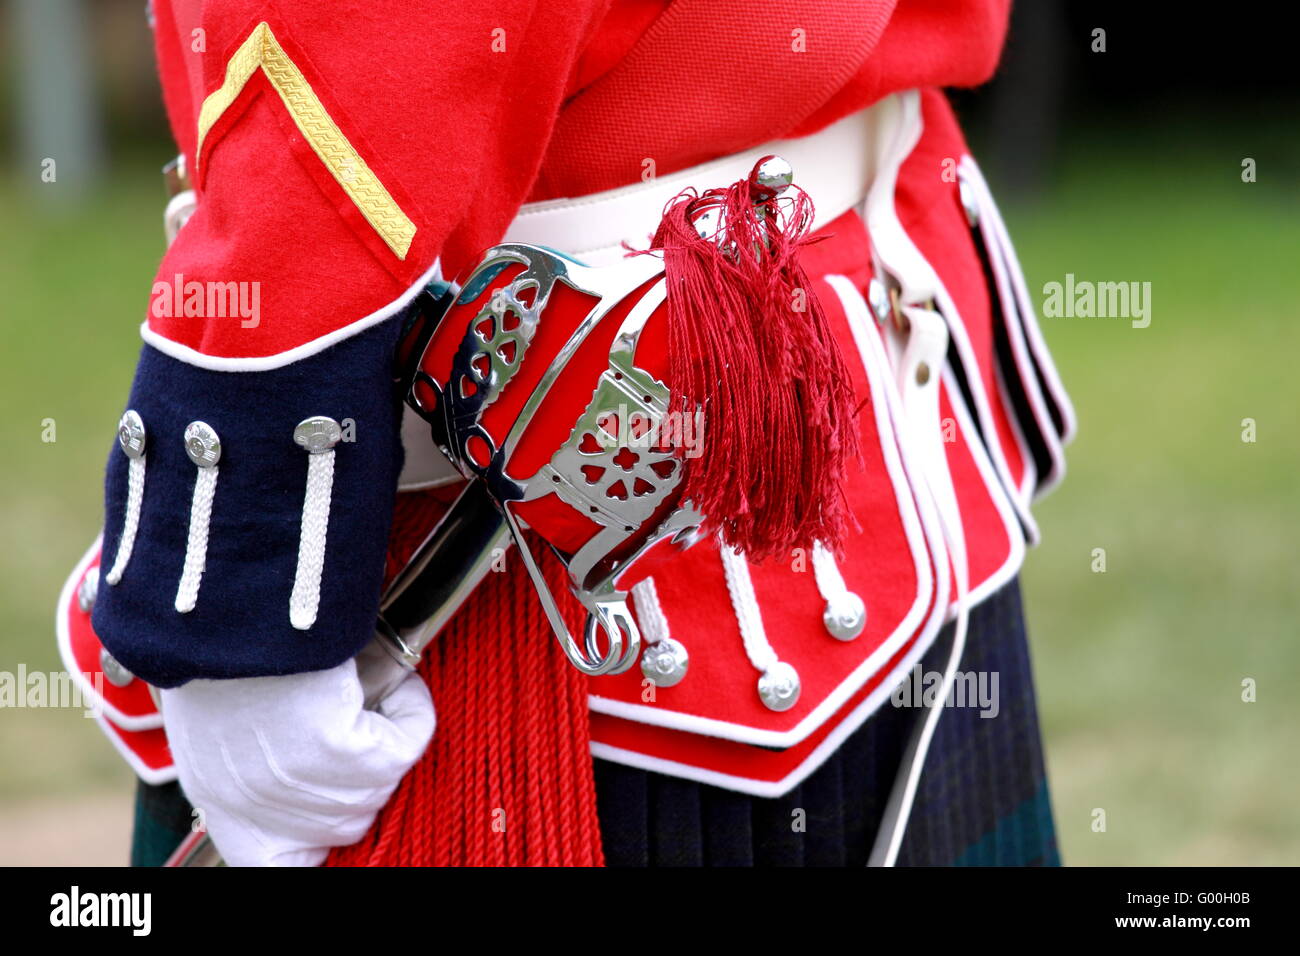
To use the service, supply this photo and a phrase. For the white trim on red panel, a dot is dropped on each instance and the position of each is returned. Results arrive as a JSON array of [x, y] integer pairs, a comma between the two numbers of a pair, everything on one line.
[[894, 249], [63, 637], [922, 539]]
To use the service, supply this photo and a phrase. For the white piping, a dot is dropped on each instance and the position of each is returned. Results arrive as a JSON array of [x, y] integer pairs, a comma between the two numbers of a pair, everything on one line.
[[1015, 323], [1032, 329], [63, 634], [261, 363], [150, 775]]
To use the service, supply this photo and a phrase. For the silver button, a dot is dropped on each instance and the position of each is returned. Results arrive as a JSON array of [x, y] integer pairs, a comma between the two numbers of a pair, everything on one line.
[[202, 444], [130, 434], [770, 177], [88, 590], [665, 662], [317, 434], [850, 619], [968, 201], [778, 688], [114, 672], [878, 299]]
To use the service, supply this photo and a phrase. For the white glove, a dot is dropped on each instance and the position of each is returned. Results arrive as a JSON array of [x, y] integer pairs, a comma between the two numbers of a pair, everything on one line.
[[282, 768]]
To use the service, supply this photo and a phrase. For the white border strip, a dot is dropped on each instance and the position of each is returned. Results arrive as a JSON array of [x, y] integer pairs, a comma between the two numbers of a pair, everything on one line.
[[1014, 323], [1001, 502], [262, 363], [146, 773], [64, 640], [1033, 330]]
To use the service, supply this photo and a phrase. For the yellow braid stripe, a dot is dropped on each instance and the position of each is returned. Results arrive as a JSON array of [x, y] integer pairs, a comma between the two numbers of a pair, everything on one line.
[[344, 163]]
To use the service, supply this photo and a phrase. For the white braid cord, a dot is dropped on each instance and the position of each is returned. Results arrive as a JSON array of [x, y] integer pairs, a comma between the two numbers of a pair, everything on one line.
[[304, 601], [650, 613], [831, 583], [745, 603], [196, 548], [134, 500]]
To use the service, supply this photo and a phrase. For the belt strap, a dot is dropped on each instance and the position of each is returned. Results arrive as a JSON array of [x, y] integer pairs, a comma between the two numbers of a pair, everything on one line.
[[833, 166]]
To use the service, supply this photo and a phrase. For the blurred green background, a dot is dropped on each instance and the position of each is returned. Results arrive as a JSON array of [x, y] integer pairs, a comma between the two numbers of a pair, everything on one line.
[[1140, 668]]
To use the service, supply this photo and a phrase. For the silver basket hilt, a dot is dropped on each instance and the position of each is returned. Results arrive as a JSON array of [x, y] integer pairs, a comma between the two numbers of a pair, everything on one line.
[[649, 475]]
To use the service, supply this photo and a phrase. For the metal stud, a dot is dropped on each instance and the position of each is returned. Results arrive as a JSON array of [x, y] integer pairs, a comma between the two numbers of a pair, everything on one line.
[[846, 619], [778, 688], [130, 434], [878, 299], [968, 202], [317, 434], [770, 177], [665, 662], [922, 373], [202, 444], [88, 590], [114, 672]]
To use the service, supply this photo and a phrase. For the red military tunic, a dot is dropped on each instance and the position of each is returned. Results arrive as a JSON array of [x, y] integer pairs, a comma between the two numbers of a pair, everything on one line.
[[342, 158]]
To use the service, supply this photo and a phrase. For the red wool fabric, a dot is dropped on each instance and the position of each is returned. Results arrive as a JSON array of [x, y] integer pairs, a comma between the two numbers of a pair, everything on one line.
[[508, 778], [567, 110]]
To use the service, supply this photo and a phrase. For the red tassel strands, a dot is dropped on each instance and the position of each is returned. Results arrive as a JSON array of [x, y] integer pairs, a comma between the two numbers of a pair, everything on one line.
[[750, 345], [507, 780]]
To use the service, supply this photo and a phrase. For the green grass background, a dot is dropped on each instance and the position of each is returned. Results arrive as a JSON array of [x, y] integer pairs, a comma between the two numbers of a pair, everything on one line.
[[1139, 668]]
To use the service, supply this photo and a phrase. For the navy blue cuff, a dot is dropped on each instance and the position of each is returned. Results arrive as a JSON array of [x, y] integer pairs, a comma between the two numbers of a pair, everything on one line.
[[240, 623]]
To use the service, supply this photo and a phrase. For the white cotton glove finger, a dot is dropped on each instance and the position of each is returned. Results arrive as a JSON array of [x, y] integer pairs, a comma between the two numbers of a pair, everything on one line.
[[283, 768], [406, 718]]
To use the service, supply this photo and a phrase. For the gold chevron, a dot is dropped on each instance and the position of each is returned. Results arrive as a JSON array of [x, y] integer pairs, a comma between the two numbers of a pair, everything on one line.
[[262, 50]]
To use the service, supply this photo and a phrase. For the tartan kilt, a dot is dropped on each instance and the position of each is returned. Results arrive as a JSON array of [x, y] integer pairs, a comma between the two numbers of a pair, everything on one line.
[[982, 801]]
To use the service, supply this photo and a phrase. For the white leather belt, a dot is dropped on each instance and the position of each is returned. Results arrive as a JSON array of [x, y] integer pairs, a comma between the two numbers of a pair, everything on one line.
[[832, 166], [835, 167]]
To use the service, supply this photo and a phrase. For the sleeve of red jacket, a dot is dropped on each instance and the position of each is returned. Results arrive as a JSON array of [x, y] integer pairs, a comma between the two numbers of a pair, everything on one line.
[[344, 155]]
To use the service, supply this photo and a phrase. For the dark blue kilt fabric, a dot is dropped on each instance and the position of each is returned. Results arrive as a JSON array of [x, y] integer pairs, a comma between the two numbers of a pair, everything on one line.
[[983, 798]]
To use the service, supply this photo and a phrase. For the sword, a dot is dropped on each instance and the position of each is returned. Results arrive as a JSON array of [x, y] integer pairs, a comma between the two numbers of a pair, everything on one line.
[[415, 608]]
